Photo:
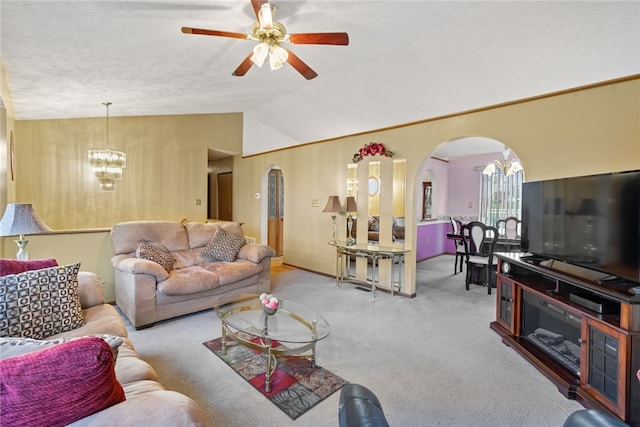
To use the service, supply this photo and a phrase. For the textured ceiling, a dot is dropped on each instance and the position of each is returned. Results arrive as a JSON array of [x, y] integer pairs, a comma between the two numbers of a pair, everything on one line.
[[407, 60]]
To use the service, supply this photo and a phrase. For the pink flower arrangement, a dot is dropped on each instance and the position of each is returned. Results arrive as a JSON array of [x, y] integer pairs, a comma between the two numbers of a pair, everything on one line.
[[372, 149], [269, 301]]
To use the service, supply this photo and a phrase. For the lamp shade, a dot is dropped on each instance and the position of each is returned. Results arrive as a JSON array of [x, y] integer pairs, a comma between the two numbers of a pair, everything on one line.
[[21, 218], [351, 204], [333, 205]]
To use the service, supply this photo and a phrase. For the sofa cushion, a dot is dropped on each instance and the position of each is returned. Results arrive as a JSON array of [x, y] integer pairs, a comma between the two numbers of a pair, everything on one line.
[[100, 319], [40, 303], [58, 385], [199, 233], [158, 255], [232, 272], [223, 246], [126, 236], [14, 266], [188, 280]]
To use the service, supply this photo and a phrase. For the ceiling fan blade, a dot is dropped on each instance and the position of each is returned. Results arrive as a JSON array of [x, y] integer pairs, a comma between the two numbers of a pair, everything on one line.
[[202, 31], [320, 38], [302, 68], [257, 4], [244, 66]]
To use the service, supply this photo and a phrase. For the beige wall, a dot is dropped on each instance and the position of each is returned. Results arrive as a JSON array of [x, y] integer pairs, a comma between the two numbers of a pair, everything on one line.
[[166, 167], [590, 131]]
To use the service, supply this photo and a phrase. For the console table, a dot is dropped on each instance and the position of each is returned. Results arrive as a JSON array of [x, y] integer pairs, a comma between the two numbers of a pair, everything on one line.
[[576, 327], [374, 253]]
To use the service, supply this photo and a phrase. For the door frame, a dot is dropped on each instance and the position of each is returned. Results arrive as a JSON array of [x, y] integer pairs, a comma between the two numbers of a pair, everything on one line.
[[264, 201]]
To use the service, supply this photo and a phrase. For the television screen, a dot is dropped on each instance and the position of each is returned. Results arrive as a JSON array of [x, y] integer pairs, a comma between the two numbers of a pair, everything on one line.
[[591, 221]]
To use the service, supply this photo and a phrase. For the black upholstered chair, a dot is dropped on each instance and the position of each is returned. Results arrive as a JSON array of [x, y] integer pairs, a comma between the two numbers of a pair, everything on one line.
[[456, 225], [480, 242], [592, 418], [359, 407]]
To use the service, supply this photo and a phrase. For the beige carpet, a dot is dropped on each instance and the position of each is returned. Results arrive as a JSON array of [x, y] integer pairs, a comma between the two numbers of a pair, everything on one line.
[[432, 360]]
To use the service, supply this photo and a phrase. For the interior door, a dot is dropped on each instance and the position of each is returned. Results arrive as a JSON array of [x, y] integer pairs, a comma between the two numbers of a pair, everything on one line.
[[225, 196], [276, 210]]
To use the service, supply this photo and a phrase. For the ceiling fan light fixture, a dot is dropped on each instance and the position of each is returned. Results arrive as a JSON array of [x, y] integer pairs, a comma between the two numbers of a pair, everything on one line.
[[260, 52], [277, 57], [265, 17]]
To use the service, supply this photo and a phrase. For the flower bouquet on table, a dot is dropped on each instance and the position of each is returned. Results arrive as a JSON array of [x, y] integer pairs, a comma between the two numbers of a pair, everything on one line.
[[269, 303]]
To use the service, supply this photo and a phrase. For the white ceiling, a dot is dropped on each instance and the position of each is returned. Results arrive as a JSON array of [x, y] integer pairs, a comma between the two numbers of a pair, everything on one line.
[[407, 60]]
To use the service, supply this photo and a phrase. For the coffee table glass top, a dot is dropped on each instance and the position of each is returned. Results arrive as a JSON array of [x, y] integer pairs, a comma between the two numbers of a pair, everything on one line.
[[292, 323]]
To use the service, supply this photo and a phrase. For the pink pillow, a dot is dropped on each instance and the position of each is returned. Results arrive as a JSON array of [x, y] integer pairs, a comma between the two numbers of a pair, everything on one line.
[[58, 385], [13, 266]]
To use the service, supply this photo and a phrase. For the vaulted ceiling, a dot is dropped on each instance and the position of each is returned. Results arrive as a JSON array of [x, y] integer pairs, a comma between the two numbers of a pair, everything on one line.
[[406, 61]]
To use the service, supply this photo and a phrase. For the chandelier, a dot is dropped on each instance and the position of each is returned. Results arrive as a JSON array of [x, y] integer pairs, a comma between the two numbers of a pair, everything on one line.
[[107, 164], [507, 166]]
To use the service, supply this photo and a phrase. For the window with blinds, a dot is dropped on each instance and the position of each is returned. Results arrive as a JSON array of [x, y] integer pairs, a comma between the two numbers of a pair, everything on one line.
[[500, 196]]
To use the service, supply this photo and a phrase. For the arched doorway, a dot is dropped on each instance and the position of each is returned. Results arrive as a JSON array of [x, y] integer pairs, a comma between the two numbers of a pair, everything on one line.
[[454, 170]]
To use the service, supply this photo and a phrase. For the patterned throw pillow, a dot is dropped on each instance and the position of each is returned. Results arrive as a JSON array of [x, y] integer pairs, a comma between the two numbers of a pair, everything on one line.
[[223, 246], [146, 250], [12, 347], [58, 385], [40, 303]]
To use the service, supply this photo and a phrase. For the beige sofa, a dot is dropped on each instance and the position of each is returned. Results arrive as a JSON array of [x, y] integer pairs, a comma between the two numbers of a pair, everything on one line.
[[373, 229], [147, 293], [147, 402]]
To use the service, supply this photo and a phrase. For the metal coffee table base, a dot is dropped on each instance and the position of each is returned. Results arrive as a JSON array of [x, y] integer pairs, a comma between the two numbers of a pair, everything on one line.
[[265, 345]]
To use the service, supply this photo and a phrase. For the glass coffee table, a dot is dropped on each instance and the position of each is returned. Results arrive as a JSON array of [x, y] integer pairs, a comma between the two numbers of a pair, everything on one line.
[[292, 331]]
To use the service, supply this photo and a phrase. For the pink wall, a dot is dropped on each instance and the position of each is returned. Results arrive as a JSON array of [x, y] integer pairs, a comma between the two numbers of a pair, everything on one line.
[[464, 184]]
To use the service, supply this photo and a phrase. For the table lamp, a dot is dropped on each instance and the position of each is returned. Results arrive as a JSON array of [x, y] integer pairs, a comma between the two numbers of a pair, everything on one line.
[[334, 207], [20, 219]]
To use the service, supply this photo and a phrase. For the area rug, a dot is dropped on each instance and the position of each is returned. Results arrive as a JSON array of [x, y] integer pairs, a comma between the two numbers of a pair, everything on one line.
[[296, 387]]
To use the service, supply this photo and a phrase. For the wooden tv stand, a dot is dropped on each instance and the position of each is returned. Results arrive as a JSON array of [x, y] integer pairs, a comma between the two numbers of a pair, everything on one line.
[[604, 315]]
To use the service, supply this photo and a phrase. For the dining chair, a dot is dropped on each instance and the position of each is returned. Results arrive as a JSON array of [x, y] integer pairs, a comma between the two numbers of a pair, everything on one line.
[[479, 242], [509, 227], [456, 225]]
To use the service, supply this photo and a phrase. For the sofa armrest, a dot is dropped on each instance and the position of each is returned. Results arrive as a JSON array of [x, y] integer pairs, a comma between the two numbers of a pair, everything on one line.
[[90, 289], [129, 264], [157, 407], [255, 252]]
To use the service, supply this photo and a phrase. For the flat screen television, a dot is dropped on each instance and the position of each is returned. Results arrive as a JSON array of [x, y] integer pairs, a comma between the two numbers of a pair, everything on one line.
[[589, 221]]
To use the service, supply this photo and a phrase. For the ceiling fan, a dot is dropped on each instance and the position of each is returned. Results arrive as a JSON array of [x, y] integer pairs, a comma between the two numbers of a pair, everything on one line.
[[270, 34]]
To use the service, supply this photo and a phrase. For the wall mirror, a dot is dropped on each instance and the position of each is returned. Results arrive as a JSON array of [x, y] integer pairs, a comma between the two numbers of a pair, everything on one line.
[[399, 188], [352, 180], [374, 186], [427, 200]]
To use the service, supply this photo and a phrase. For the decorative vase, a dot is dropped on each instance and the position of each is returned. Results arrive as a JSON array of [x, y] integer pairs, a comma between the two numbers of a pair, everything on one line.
[[268, 310]]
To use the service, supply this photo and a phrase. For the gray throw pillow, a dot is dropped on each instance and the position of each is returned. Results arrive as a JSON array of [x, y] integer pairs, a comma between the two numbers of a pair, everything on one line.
[[40, 303], [223, 246], [12, 347]]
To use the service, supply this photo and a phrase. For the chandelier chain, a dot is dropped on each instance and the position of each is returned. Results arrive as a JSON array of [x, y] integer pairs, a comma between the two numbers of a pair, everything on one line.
[[107, 104]]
